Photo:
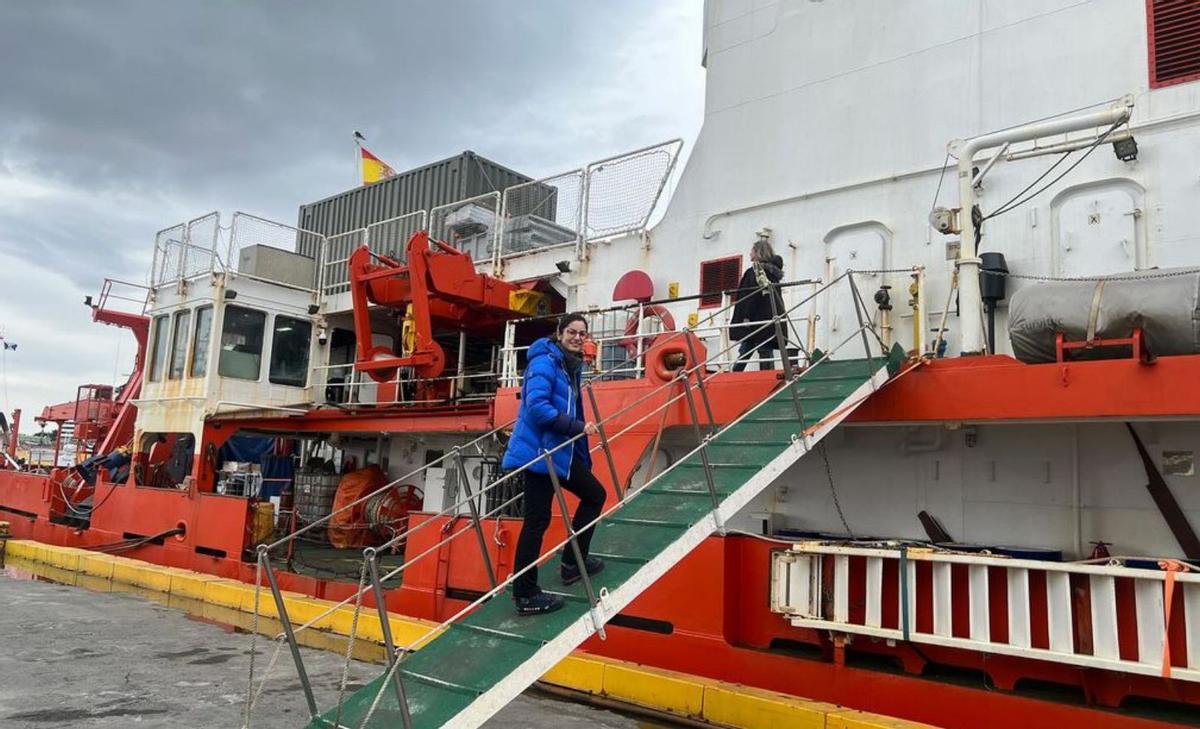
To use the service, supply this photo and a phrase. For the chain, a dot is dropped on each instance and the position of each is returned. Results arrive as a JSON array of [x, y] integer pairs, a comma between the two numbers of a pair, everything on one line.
[[873, 271], [1096, 279], [837, 504]]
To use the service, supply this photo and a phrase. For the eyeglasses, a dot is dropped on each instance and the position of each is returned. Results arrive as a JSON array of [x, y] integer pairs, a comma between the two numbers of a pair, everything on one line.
[[575, 333]]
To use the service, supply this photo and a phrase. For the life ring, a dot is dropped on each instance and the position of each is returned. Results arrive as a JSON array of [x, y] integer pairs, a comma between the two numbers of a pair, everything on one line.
[[630, 340]]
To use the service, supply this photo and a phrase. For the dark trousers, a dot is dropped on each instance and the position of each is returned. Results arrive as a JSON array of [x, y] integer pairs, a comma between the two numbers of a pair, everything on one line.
[[766, 354], [539, 495]]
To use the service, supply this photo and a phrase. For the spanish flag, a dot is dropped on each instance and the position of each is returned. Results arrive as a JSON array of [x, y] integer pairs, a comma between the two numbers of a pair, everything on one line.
[[373, 168]]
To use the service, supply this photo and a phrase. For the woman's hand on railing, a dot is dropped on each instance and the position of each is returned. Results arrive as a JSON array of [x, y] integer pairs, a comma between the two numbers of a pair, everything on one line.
[[589, 429]]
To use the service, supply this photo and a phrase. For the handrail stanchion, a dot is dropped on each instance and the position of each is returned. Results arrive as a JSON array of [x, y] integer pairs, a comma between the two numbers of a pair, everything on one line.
[[371, 555], [700, 371], [466, 483], [781, 343], [612, 466], [703, 439], [573, 538], [859, 307], [286, 623]]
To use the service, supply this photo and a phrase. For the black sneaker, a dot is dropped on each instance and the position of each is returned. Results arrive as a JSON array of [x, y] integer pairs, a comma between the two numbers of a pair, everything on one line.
[[539, 604], [570, 573]]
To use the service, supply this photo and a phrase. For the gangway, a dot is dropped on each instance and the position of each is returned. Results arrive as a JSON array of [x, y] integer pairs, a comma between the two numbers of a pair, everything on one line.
[[474, 663]]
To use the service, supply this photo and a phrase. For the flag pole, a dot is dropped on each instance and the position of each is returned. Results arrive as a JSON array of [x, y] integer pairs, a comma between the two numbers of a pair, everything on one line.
[[358, 137]]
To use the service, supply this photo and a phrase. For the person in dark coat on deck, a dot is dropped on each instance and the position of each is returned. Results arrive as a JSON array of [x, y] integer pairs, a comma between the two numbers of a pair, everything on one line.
[[753, 311], [551, 413]]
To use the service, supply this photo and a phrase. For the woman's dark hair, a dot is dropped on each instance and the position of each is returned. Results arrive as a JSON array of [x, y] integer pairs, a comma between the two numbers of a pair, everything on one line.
[[569, 319]]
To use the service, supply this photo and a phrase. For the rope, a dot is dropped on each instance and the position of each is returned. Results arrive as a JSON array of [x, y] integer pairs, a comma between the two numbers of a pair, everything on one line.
[[127, 544], [253, 642], [362, 588]]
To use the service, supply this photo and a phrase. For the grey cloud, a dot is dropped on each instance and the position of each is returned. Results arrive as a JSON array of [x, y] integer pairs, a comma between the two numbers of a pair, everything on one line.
[[121, 117]]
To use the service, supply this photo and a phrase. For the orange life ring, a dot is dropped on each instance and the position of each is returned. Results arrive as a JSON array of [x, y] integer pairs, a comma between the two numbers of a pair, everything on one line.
[[630, 341]]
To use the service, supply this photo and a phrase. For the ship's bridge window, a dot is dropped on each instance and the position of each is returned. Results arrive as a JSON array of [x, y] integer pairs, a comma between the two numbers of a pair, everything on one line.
[[290, 344], [180, 331], [242, 343], [158, 353], [203, 334]]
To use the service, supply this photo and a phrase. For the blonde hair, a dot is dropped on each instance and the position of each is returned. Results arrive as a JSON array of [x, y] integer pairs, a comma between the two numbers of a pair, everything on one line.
[[761, 251]]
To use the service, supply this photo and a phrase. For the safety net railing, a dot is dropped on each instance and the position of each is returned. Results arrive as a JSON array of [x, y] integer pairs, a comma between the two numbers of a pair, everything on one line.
[[692, 379]]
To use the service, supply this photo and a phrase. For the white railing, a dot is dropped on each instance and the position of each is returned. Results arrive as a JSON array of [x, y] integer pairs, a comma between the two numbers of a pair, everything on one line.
[[542, 214], [812, 584], [335, 267], [390, 237], [608, 198], [471, 225], [194, 249]]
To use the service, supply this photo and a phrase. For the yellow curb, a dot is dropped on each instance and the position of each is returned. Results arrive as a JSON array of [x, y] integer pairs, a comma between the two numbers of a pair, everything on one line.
[[665, 690], [850, 719], [579, 674], [231, 601], [190, 585], [97, 565], [743, 706], [66, 558], [226, 593]]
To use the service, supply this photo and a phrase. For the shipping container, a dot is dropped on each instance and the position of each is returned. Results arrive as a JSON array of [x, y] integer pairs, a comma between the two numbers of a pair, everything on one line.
[[424, 188]]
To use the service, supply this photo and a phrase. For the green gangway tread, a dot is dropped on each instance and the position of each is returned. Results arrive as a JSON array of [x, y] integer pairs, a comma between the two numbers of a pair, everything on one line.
[[473, 655]]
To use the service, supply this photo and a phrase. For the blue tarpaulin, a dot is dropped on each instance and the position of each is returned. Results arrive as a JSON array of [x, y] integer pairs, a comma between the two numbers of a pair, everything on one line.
[[277, 471]]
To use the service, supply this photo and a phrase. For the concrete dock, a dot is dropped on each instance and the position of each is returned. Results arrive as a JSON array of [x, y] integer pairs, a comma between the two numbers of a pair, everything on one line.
[[77, 658]]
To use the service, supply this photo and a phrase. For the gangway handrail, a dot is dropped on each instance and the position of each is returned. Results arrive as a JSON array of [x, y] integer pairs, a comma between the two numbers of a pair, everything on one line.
[[684, 375]]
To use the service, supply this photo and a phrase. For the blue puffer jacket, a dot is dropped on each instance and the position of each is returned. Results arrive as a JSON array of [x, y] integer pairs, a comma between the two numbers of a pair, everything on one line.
[[551, 413]]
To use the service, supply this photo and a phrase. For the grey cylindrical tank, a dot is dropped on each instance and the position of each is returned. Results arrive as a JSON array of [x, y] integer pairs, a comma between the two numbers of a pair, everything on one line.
[[1164, 303]]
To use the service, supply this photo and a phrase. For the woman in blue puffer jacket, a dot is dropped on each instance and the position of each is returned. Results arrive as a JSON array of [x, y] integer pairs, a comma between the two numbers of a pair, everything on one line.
[[551, 413]]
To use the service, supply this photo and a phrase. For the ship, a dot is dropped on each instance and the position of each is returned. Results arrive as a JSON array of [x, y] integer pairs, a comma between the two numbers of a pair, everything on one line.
[[959, 489]]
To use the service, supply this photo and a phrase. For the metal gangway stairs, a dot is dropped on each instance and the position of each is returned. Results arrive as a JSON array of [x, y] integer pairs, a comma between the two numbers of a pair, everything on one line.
[[472, 664]]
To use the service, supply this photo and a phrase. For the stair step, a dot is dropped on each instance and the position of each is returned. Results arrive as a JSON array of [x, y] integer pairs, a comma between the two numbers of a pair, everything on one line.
[[500, 633], [648, 522], [408, 675]]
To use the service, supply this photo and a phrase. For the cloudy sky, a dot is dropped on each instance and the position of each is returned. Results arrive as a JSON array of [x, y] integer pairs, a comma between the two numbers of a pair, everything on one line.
[[120, 118]]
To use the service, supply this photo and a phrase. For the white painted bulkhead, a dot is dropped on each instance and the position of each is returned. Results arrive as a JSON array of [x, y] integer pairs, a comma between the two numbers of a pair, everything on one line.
[[1054, 486]]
